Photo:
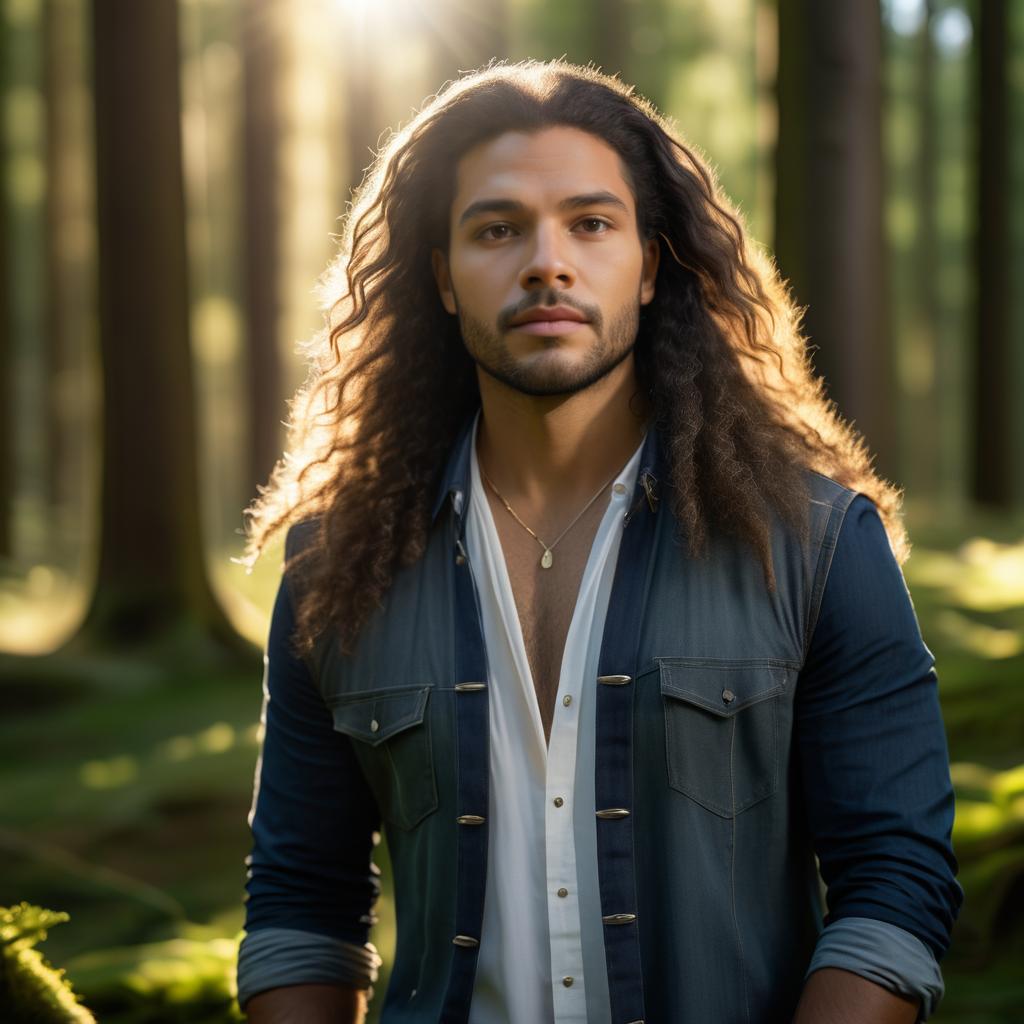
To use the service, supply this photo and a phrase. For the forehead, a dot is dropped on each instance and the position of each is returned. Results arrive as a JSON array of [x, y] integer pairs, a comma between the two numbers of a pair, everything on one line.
[[536, 167]]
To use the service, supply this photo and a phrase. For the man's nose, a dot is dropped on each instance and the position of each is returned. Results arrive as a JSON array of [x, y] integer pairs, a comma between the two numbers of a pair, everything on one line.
[[548, 263]]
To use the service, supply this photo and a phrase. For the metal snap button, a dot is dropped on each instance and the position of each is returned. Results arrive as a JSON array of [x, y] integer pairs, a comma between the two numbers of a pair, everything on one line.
[[374, 725], [567, 700], [567, 981], [619, 488], [558, 801], [563, 892], [728, 696]]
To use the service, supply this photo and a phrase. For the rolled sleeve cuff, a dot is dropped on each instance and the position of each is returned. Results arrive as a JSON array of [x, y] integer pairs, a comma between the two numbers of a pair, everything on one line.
[[274, 957], [885, 954]]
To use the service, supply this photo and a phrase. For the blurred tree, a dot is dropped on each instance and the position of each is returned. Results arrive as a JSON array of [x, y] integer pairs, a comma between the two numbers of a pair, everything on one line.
[[151, 574], [361, 109], [6, 346], [992, 481], [610, 36], [828, 205], [69, 262], [261, 70], [923, 453]]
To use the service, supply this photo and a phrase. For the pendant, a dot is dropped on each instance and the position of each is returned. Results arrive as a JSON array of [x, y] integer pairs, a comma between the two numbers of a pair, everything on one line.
[[546, 559]]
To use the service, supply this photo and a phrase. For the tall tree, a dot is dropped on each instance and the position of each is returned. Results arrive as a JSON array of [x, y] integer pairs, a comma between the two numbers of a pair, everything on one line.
[[262, 68], [6, 341], [923, 453], [828, 213], [68, 269], [6, 360], [992, 481], [151, 573], [610, 43]]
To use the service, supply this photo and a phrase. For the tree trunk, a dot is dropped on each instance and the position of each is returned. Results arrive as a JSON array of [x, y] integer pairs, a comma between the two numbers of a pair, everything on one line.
[[829, 217], [262, 68], [151, 572], [610, 48], [68, 266], [6, 364], [924, 453], [6, 341], [992, 477]]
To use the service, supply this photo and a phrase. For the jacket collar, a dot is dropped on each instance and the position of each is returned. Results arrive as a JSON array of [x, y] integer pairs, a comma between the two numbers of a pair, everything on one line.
[[455, 481]]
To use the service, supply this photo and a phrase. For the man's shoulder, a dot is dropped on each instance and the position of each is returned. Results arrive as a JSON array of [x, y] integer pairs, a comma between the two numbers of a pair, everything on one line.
[[301, 538], [824, 491]]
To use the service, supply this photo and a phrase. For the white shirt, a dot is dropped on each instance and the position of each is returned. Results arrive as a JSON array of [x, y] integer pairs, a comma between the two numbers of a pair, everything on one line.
[[541, 953]]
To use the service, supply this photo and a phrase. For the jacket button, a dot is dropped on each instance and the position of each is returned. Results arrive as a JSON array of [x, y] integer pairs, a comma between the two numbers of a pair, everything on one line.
[[728, 696], [567, 700], [558, 801], [563, 892], [374, 725], [567, 981]]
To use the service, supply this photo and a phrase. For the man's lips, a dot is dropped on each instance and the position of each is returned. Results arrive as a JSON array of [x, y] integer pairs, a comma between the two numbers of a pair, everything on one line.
[[549, 320]]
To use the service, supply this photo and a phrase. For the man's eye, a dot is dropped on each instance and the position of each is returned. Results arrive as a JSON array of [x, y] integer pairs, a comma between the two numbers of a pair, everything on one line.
[[495, 231], [594, 225]]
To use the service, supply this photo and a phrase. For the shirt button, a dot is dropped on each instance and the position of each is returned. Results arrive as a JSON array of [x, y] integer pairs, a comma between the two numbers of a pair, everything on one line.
[[374, 725], [558, 801], [563, 892], [567, 700], [619, 488], [567, 981]]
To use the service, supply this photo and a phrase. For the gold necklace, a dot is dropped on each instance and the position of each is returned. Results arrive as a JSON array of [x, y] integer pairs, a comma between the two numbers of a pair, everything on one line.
[[547, 559]]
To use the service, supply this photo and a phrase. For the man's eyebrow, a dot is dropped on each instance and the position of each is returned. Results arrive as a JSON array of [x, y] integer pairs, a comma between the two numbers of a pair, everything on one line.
[[482, 206]]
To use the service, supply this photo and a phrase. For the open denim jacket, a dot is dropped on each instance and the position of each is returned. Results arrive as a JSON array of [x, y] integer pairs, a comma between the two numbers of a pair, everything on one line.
[[736, 759]]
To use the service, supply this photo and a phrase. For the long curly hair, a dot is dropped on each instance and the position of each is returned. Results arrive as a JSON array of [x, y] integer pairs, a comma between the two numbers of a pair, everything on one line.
[[719, 353]]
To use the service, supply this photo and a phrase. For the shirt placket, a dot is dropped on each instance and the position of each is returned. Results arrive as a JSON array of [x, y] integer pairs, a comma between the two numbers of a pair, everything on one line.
[[568, 991]]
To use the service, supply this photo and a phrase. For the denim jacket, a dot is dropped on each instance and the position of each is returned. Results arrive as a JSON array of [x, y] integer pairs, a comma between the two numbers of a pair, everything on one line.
[[742, 752]]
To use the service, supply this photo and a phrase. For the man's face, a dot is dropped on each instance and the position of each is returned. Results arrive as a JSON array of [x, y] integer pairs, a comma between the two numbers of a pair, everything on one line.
[[544, 225]]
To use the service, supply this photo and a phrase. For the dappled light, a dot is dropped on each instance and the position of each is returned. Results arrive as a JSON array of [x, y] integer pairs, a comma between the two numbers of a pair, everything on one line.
[[40, 610]]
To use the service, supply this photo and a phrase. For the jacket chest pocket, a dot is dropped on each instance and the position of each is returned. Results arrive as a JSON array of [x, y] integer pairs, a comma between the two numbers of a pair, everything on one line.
[[721, 730], [391, 731]]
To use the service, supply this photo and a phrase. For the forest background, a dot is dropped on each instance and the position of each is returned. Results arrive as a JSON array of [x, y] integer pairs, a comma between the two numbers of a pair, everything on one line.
[[173, 174]]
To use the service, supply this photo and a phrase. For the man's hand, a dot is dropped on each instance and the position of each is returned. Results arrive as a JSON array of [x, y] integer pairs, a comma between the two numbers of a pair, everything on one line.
[[308, 1004], [832, 996]]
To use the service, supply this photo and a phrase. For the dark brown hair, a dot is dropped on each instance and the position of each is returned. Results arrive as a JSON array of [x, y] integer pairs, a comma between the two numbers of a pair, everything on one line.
[[719, 353]]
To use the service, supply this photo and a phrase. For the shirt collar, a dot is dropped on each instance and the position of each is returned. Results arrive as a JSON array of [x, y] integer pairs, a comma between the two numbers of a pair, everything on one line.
[[455, 481]]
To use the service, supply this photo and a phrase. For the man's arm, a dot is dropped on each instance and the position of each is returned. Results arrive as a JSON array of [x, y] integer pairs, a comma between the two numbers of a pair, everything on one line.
[[311, 883], [876, 785], [308, 1004], [833, 996]]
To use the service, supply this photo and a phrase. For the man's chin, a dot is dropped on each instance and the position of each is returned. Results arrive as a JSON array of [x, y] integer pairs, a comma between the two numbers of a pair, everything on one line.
[[551, 374], [541, 382]]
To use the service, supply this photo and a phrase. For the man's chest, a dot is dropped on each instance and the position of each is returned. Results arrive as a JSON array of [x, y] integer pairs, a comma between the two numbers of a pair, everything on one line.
[[545, 598]]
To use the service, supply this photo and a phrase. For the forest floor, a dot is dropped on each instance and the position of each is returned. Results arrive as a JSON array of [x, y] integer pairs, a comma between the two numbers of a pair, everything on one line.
[[125, 785]]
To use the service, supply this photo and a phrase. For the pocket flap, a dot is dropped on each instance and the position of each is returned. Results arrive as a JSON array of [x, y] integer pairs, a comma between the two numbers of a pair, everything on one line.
[[722, 687], [373, 716]]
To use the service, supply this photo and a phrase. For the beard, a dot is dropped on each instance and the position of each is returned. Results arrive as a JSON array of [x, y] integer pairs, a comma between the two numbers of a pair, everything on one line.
[[486, 346]]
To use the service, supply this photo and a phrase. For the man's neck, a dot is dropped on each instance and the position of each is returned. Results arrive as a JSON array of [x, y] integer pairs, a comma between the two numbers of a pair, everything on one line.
[[547, 453]]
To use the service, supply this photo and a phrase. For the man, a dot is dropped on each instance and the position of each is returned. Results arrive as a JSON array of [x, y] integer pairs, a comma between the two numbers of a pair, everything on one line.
[[591, 601]]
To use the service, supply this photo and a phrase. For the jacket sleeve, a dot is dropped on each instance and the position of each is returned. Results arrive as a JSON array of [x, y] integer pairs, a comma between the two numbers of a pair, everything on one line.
[[875, 769], [311, 882]]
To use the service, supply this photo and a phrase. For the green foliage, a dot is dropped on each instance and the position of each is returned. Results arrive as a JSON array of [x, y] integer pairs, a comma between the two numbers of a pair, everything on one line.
[[183, 979], [31, 991]]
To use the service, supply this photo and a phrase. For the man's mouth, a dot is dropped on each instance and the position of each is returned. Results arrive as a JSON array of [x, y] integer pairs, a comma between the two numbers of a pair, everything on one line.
[[548, 320]]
